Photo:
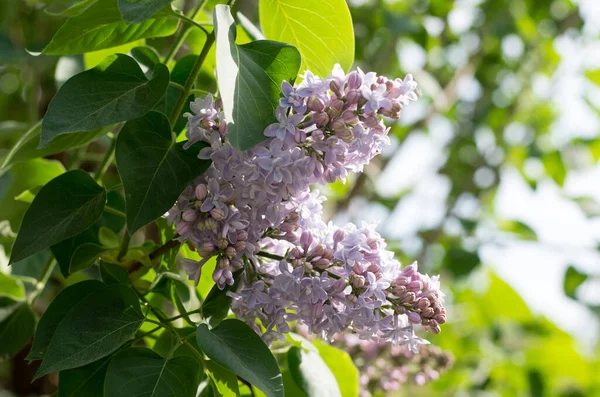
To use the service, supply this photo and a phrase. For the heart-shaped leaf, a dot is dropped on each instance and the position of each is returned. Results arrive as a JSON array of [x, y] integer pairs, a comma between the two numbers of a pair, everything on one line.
[[250, 77], [115, 90], [66, 206], [153, 168], [235, 346], [321, 30]]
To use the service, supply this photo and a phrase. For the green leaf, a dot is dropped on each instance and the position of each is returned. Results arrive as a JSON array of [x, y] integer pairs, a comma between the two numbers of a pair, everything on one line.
[[555, 167], [21, 177], [115, 90], [250, 79], [320, 29], [84, 256], [11, 287], [64, 250], [29, 149], [166, 341], [66, 206], [74, 10], [341, 365], [94, 58], [138, 371], [97, 326], [64, 302], [217, 303], [85, 381], [311, 374], [146, 56], [460, 262], [135, 11], [235, 346], [100, 26], [108, 238], [224, 382], [148, 160], [167, 104], [16, 330], [573, 279], [113, 274], [522, 230], [183, 68]]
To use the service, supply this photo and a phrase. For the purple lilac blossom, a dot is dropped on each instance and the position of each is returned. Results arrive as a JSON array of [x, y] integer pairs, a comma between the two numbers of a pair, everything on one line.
[[259, 201]]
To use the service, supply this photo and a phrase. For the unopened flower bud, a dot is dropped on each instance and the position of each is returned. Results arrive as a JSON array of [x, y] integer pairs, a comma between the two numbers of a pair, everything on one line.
[[242, 235], [338, 236], [345, 134], [206, 249], [183, 228], [321, 119], [423, 304], [415, 285], [223, 263], [189, 215], [210, 224], [413, 317], [222, 243], [230, 251], [316, 104], [240, 245], [358, 281], [201, 191], [217, 213], [322, 263], [355, 80]]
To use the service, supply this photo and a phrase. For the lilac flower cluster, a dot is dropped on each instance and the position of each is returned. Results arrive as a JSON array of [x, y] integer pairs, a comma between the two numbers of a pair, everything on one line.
[[387, 369], [255, 210]]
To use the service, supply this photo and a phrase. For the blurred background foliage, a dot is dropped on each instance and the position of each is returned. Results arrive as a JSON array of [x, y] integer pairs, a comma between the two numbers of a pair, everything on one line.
[[492, 179]]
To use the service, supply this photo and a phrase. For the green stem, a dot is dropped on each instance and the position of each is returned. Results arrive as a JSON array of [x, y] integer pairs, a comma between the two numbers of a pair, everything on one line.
[[111, 210], [191, 22], [183, 34], [46, 273], [210, 39], [124, 246], [106, 162], [270, 256], [22, 140]]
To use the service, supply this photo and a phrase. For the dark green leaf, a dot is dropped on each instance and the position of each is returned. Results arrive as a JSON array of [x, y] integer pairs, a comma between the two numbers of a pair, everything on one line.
[[113, 274], [100, 26], [108, 238], [235, 346], [167, 104], [135, 11], [311, 374], [84, 256], [115, 90], [85, 381], [149, 160], [16, 330], [97, 326], [183, 68], [64, 250], [460, 262], [573, 279], [321, 29], [74, 10], [56, 312], [146, 56], [66, 206], [166, 341], [250, 79], [138, 371]]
